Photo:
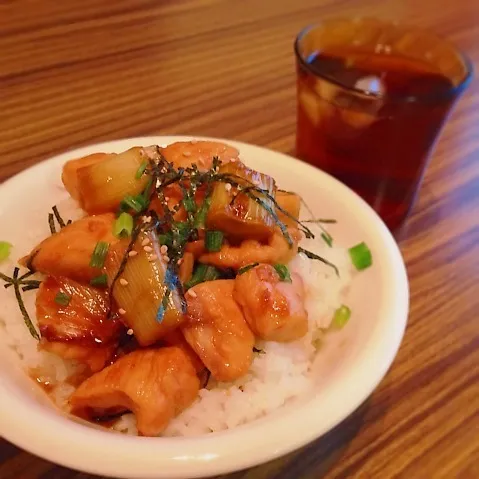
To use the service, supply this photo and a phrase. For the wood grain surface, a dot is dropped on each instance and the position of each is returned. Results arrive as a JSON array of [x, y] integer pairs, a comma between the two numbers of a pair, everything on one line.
[[76, 72]]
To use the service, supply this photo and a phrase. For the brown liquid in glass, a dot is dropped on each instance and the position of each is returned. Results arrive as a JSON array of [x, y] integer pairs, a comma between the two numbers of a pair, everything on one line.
[[377, 146]]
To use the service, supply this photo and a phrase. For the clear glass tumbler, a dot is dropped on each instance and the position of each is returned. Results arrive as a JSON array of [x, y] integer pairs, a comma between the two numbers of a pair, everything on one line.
[[372, 98]]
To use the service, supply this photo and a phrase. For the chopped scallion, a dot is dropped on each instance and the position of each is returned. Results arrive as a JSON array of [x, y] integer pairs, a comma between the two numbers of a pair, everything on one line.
[[202, 273], [62, 299], [361, 256], [200, 217], [99, 254], [166, 239], [99, 281], [123, 225], [341, 316], [213, 241], [283, 272], [247, 268], [147, 191], [5, 248], [189, 204], [137, 203], [327, 238], [141, 170]]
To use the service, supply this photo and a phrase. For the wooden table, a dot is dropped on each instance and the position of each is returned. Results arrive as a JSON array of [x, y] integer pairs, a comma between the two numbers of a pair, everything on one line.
[[77, 72]]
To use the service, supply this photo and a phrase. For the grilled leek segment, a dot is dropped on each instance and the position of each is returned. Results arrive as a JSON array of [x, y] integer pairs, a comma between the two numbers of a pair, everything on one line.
[[103, 185], [139, 290], [235, 207], [290, 202]]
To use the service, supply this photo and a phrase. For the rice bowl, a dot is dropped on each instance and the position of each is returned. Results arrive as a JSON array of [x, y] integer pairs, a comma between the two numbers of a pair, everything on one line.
[[306, 378]]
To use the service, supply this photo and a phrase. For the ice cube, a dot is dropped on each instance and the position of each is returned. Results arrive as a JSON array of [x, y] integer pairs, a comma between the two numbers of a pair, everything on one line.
[[370, 84], [357, 119]]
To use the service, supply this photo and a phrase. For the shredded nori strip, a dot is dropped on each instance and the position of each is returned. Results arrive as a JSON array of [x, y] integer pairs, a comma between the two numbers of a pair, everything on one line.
[[58, 217], [312, 255], [51, 223], [321, 220], [21, 305], [21, 280]]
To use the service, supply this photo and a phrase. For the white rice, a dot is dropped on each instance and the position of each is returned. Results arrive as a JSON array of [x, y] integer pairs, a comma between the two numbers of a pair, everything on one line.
[[280, 373]]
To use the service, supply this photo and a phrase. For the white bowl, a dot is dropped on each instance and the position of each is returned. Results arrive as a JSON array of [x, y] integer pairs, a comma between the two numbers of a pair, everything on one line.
[[347, 374]]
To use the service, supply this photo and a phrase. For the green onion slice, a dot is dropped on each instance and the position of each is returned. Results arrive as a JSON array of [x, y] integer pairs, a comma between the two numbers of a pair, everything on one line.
[[247, 268], [166, 239], [327, 238], [200, 217], [99, 254], [99, 281], [137, 203], [361, 256], [189, 204], [5, 248], [283, 272], [123, 225], [141, 170], [341, 316], [202, 273], [62, 299], [213, 241]]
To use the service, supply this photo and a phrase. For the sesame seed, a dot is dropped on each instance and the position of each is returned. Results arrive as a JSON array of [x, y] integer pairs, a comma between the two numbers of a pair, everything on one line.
[[145, 242], [192, 293], [150, 152], [132, 253], [123, 282], [148, 249], [233, 160], [187, 154], [163, 249], [227, 187], [158, 183], [147, 219], [153, 257], [122, 311], [180, 261], [167, 198], [166, 259], [130, 332]]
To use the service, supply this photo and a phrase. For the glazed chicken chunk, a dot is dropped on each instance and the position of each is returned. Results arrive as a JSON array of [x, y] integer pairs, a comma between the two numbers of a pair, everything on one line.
[[155, 384], [217, 331], [274, 309], [73, 322]]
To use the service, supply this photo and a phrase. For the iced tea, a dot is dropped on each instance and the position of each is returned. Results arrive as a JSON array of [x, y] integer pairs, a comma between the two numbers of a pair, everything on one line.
[[369, 112]]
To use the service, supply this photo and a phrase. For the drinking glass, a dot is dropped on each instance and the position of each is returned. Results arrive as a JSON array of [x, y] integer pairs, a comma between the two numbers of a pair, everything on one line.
[[372, 99]]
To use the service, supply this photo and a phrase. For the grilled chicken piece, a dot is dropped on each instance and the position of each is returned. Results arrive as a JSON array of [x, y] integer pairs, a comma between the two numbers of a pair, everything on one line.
[[155, 384], [74, 325], [277, 250], [93, 356], [68, 252], [185, 153], [176, 338], [274, 309], [217, 330]]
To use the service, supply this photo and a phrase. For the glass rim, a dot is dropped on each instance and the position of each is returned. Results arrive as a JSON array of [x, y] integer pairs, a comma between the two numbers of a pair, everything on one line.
[[454, 90]]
